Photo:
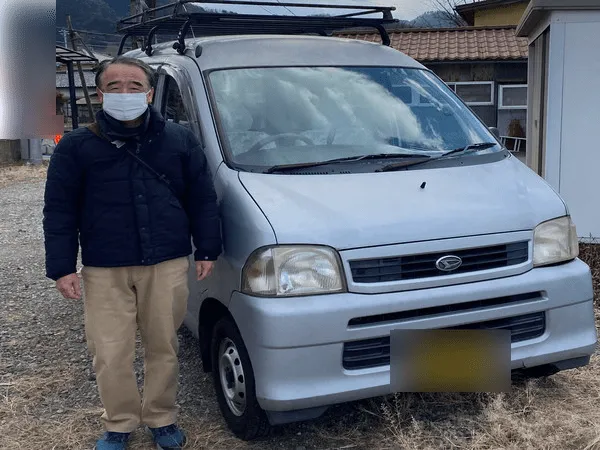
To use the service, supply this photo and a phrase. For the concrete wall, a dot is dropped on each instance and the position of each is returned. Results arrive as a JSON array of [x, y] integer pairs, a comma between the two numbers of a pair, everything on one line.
[[503, 15]]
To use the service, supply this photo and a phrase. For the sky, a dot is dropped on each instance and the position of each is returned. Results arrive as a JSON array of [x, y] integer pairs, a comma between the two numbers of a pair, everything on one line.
[[405, 9]]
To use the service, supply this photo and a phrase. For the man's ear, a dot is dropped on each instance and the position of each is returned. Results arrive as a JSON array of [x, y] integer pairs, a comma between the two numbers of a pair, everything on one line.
[[150, 95], [100, 95]]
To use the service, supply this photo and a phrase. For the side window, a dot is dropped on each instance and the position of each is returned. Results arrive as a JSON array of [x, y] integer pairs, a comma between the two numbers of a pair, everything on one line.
[[173, 107]]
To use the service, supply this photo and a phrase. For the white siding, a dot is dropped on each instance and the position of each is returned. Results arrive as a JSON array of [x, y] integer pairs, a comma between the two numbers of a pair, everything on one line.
[[579, 148]]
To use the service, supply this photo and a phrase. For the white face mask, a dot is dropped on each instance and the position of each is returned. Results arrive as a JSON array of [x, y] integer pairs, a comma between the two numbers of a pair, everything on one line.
[[125, 107]]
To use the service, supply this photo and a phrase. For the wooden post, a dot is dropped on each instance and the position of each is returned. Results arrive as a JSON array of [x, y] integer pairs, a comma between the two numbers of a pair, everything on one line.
[[73, 99], [80, 70]]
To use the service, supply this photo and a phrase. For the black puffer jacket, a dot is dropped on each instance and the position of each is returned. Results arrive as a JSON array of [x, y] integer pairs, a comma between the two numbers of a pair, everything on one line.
[[99, 196]]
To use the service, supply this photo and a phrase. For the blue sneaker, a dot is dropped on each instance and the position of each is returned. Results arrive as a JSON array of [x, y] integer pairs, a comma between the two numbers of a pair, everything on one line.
[[168, 438], [112, 441]]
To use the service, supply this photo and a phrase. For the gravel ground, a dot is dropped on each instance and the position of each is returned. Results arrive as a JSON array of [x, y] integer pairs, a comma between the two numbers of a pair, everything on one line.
[[48, 396], [45, 367]]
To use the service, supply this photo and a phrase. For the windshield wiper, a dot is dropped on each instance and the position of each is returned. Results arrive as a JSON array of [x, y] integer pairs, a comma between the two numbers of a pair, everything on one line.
[[285, 167], [478, 146]]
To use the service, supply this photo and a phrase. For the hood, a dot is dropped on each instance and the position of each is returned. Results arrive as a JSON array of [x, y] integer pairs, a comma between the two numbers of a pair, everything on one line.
[[371, 209]]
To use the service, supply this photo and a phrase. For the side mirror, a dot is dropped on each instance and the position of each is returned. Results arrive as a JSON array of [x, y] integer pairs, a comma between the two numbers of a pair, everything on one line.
[[495, 131]]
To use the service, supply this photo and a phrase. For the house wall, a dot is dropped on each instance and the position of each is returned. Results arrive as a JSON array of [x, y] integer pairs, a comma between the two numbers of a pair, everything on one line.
[[503, 15], [82, 109], [78, 92], [498, 72]]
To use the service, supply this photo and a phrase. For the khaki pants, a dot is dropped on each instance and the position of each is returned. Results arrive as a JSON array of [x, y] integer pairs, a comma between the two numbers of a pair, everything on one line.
[[117, 302]]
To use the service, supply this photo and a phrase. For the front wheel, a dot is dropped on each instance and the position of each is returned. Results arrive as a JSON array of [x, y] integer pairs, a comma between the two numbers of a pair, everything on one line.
[[233, 379]]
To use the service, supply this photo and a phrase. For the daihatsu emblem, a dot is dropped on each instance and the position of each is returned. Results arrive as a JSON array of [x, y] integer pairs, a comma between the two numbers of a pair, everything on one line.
[[448, 263]]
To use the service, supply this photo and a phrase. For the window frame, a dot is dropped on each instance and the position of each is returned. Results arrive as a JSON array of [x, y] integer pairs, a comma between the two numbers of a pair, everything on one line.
[[229, 157], [184, 83], [169, 84], [452, 85], [502, 87], [416, 100]]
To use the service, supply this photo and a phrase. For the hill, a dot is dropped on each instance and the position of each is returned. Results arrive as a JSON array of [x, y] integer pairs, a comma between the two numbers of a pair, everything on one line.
[[101, 16], [92, 15], [433, 19], [121, 7]]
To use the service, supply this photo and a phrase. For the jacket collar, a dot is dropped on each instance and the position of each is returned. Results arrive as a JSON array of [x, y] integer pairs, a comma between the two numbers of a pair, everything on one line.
[[153, 123]]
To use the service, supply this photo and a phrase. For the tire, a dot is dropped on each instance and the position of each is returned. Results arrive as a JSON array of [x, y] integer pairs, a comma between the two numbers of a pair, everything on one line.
[[237, 400]]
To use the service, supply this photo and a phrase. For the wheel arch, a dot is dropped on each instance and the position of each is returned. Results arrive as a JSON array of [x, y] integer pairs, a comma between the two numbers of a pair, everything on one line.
[[211, 311]]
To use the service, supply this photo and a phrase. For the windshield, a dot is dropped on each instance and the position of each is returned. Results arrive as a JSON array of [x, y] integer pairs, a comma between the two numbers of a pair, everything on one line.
[[279, 116]]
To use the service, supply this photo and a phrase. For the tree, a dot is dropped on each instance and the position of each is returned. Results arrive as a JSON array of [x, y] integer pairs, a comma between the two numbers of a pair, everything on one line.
[[433, 19], [448, 9], [94, 15]]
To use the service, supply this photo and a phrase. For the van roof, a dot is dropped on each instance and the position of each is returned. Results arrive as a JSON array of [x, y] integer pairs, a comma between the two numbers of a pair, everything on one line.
[[228, 52]]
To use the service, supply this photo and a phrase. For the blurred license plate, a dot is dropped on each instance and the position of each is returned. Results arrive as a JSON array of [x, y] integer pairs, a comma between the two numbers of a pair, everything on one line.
[[450, 361]]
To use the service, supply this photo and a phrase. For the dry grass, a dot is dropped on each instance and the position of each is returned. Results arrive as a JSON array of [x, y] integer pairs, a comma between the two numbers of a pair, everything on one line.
[[33, 417], [556, 413], [26, 424], [560, 412], [590, 253], [18, 173]]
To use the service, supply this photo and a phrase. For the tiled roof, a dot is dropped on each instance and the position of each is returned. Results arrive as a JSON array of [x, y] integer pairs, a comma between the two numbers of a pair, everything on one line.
[[62, 79], [454, 44]]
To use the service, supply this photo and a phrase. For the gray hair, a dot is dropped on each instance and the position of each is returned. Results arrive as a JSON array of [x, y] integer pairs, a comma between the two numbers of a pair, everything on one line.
[[149, 71]]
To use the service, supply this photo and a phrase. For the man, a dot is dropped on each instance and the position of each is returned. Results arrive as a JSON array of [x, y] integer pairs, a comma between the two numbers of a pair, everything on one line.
[[135, 231]]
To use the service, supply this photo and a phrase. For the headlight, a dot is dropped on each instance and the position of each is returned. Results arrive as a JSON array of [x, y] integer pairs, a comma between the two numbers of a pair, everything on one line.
[[554, 242], [285, 271]]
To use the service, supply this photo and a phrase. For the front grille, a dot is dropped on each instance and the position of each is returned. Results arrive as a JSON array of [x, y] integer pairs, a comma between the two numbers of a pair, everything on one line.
[[413, 267], [375, 352], [436, 311]]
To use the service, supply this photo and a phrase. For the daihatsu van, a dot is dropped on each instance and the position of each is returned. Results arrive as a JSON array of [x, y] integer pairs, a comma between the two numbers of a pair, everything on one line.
[[359, 195]]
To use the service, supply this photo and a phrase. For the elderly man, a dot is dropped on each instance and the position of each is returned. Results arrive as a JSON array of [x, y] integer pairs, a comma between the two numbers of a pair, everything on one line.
[[134, 191]]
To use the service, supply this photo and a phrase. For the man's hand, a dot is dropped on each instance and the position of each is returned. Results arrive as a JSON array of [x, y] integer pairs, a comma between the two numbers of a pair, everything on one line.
[[69, 286], [204, 269]]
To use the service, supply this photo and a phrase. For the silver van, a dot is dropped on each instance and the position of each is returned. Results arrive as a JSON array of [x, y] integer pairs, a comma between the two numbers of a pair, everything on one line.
[[359, 195]]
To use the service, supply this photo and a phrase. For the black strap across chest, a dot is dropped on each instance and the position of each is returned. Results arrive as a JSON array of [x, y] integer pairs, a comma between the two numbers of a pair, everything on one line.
[[95, 128]]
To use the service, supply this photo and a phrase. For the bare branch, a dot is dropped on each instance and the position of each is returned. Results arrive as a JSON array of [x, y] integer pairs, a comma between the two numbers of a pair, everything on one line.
[[448, 8]]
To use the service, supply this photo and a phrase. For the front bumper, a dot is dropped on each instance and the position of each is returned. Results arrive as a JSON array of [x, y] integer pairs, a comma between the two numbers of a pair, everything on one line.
[[296, 344]]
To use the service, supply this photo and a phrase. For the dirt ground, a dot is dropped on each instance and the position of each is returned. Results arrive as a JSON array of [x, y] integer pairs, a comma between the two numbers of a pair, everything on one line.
[[48, 397]]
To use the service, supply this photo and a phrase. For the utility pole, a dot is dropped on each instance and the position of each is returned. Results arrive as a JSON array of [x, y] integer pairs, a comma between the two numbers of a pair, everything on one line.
[[80, 70], [84, 45], [151, 5], [64, 33], [135, 8]]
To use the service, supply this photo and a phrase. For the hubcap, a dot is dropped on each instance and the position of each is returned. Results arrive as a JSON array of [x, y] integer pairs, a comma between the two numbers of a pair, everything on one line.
[[233, 380]]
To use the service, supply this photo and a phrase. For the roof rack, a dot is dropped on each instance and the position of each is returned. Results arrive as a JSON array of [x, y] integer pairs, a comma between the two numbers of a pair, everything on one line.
[[182, 16]]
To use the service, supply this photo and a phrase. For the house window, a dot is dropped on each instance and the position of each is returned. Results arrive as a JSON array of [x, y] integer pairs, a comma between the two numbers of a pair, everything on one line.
[[474, 93], [513, 97], [410, 96], [512, 116]]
